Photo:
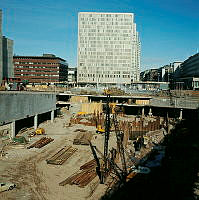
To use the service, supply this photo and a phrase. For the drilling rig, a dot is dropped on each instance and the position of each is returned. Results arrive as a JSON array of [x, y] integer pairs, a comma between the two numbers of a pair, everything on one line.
[[109, 163]]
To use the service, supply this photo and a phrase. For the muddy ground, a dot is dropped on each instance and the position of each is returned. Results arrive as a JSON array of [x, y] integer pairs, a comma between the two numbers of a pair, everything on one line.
[[37, 180]]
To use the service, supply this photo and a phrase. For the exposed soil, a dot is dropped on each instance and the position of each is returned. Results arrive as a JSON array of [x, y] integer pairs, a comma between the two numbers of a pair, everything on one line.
[[35, 179]]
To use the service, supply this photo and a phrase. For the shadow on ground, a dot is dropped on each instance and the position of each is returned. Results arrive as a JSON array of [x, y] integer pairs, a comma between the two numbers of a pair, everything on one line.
[[176, 177]]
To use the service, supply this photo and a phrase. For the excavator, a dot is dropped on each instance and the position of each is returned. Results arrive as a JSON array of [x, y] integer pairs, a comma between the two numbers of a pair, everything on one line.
[[38, 131], [100, 129]]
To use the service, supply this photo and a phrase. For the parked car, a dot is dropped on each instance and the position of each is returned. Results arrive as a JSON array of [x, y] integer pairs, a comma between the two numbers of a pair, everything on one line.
[[6, 186]]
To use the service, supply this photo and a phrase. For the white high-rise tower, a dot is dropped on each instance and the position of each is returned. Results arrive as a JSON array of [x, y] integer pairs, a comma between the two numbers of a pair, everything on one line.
[[108, 48]]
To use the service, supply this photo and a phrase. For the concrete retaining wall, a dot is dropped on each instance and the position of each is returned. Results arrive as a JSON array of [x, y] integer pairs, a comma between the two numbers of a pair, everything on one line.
[[177, 103], [19, 105]]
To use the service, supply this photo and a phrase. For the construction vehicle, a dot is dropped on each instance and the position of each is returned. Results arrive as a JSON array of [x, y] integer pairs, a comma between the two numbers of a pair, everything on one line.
[[38, 131], [107, 91], [81, 113], [100, 129]]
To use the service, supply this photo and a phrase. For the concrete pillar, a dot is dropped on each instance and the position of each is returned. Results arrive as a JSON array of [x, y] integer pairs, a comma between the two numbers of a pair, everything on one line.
[[12, 129], [35, 122], [180, 114], [52, 116], [143, 112], [150, 112], [90, 100]]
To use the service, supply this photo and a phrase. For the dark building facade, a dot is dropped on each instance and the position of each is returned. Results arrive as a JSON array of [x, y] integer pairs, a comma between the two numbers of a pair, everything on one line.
[[40, 69], [1, 53], [188, 73], [149, 75], [8, 68]]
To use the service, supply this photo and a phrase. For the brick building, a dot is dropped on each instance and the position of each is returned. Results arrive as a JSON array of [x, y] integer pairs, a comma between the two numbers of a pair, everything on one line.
[[40, 69]]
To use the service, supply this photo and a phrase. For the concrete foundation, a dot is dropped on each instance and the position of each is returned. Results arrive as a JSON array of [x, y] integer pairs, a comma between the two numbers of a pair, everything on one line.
[[180, 114], [150, 112], [20, 105], [35, 122], [143, 112], [12, 135], [52, 116]]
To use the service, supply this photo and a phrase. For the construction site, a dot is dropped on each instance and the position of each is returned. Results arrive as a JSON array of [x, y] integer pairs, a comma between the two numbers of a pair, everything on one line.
[[113, 145]]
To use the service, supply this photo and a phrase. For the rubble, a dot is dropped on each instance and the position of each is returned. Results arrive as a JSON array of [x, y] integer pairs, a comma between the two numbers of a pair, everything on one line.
[[83, 138]]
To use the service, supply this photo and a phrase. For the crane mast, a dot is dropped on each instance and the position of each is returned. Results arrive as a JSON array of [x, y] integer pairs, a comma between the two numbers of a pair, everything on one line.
[[107, 132], [119, 136]]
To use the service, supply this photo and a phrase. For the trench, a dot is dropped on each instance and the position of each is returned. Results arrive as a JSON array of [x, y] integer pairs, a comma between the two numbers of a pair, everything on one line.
[[176, 178]]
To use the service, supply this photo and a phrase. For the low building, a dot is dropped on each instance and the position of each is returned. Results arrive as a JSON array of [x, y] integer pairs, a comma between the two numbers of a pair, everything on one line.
[[163, 74], [149, 75], [150, 85], [40, 69]]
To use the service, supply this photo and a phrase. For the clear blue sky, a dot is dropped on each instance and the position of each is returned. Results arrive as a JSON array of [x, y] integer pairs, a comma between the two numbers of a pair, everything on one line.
[[169, 29]]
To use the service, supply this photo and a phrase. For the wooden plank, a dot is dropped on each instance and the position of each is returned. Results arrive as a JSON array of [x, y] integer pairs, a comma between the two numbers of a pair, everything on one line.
[[61, 156], [59, 153]]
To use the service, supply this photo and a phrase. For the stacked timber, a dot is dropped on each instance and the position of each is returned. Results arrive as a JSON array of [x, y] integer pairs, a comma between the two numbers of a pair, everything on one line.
[[61, 156], [83, 138], [92, 108], [84, 177], [100, 118], [40, 143], [89, 120], [89, 165], [79, 99], [75, 120], [142, 102]]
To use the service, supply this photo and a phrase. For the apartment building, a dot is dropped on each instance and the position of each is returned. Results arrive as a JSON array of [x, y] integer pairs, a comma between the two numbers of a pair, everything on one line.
[[40, 69], [108, 48]]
